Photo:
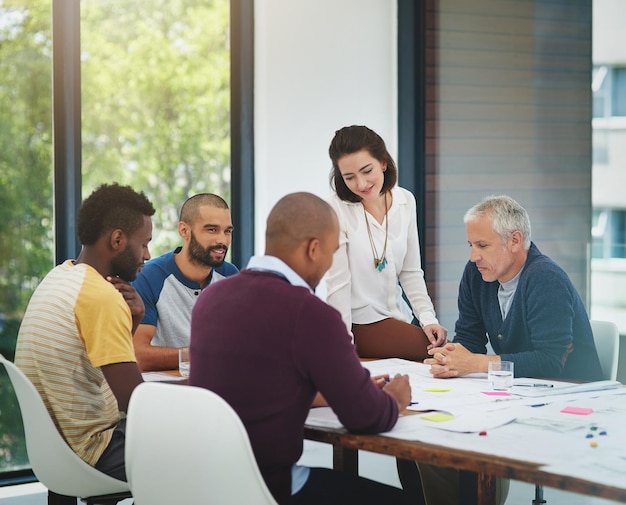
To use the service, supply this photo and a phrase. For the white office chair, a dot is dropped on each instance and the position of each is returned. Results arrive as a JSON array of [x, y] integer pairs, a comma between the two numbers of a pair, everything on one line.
[[186, 445], [606, 338], [53, 461]]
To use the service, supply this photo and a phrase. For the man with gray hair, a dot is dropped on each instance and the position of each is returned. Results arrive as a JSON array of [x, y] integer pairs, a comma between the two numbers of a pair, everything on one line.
[[519, 300]]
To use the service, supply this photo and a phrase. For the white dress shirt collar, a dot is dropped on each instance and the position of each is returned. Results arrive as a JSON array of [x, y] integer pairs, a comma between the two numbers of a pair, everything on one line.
[[279, 267]]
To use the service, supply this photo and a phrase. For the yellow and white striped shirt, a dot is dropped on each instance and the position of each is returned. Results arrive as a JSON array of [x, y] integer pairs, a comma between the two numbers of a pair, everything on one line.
[[76, 322]]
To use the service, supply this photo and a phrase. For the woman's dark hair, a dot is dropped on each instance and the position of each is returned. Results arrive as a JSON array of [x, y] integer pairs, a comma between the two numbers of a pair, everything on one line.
[[352, 139], [111, 207]]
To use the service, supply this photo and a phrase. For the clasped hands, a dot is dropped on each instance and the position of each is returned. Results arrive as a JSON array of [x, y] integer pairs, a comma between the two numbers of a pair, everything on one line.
[[452, 360]]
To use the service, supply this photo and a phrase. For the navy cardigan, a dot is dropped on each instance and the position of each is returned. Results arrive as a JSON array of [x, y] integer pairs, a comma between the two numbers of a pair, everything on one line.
[[546, 319]]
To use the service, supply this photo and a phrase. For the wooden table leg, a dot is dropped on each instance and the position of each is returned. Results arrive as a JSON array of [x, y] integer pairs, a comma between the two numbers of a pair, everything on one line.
[[346, 460], [486, 489]]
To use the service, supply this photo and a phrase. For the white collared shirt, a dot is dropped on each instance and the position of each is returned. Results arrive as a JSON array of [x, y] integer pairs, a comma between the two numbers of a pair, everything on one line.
[[279, 267], [360, 292]]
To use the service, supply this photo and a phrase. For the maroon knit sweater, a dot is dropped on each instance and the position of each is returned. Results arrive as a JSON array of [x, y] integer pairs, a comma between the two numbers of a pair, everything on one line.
[[267, 347]]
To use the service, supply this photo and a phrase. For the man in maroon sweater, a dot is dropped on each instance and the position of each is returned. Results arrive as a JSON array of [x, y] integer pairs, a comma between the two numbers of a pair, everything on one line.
[[267, 344]]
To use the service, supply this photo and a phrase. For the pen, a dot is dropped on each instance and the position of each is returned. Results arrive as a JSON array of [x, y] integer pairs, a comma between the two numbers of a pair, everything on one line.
[[535, 385]]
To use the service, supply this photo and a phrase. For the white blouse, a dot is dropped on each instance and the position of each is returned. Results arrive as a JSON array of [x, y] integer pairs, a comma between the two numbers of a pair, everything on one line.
[[356, 288]]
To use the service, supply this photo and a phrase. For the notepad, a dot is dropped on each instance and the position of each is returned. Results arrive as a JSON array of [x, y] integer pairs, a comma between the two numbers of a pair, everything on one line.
[[579, 411], [438, 417]]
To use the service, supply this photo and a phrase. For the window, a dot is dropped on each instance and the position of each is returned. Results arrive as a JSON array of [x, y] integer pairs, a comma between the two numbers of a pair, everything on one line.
[[26, 232], [608, 84], [599, 88], [618, 96], [609, 233], [155, 114], [156, 102]]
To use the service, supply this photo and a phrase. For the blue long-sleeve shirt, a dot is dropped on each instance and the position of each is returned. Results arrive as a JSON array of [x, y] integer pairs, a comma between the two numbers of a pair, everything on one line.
[[546, 332]]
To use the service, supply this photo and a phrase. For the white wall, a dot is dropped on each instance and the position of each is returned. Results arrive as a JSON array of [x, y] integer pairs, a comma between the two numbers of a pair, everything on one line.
[[319, 65]]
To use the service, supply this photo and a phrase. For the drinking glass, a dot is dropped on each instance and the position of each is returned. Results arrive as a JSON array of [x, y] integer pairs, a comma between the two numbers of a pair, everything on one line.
[[500, 375], [183, 361]]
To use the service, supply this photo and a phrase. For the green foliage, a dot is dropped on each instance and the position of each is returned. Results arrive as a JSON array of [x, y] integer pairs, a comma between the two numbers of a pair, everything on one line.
[[156, 92], [25, 152], [155, 115]]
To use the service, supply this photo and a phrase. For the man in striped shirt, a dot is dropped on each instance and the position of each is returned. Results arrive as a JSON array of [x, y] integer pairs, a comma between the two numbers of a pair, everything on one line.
[[75, 341]]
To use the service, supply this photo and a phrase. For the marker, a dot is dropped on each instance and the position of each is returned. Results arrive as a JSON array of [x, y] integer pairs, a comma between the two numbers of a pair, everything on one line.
[[535, 385], [539, 405]]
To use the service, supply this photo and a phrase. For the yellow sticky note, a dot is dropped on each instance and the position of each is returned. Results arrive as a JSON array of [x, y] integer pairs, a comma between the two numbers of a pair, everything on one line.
[[437, 390], [438, 417]]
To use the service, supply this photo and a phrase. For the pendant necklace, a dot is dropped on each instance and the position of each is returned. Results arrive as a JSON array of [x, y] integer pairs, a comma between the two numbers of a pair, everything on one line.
[[379, 262]]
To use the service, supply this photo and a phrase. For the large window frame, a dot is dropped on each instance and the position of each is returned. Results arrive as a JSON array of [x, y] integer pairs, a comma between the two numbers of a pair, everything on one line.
[[67, 126]]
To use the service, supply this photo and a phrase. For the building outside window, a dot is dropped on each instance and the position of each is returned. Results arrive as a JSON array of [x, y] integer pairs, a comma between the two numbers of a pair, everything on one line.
[[608, 85]]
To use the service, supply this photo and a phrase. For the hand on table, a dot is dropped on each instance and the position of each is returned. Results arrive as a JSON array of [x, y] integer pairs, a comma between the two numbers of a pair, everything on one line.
[[400, 389], [437, 335], [380, 380]]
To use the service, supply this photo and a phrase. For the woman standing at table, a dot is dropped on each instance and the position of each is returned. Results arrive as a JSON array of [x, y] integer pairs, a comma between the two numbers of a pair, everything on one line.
[[379, 254]]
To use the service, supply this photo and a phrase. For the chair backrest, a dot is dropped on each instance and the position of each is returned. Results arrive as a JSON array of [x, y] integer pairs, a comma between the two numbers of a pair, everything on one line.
[[606, 338], [186, 445], [53, 461]]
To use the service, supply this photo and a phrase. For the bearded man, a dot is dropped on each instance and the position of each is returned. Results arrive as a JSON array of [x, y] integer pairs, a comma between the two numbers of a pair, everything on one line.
[[170, 284]]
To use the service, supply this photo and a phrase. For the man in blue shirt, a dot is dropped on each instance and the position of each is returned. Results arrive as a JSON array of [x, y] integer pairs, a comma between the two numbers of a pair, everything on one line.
[[522, 303], [516, 298], [170, 284]]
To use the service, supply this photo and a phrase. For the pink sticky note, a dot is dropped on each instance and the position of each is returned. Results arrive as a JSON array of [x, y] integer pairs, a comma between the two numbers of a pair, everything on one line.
[[580, 411], [496, 393]]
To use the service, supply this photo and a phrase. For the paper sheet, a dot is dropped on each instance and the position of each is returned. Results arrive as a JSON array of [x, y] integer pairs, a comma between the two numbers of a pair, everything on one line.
[[160, 377]]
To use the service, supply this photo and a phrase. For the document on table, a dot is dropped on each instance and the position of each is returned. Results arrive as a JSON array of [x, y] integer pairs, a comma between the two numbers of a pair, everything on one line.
[[456, 396], [574, 429], [160, 377]]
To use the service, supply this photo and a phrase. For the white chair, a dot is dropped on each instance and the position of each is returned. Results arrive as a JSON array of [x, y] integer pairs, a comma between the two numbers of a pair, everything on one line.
[[606, 338], [53, 461], [186, 445]]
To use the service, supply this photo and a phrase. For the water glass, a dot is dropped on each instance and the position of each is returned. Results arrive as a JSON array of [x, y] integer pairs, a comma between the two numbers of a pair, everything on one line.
[[183, 361], [500, 375]]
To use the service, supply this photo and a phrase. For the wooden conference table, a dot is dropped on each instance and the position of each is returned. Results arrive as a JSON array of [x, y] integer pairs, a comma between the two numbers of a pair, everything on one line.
[[478, 482], [478, 470]]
